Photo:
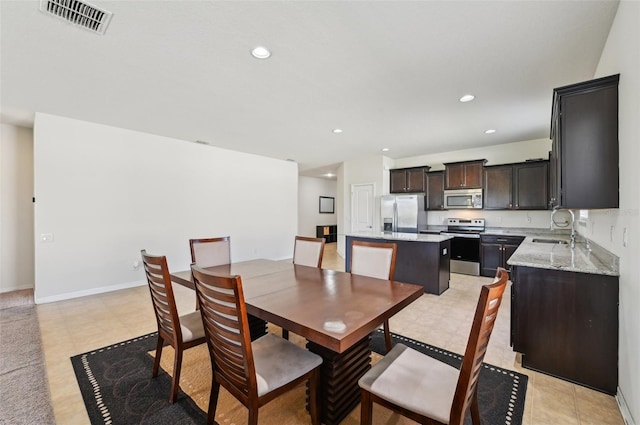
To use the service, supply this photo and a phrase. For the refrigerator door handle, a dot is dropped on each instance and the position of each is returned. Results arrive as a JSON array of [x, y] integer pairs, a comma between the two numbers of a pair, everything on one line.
[[395, 217]]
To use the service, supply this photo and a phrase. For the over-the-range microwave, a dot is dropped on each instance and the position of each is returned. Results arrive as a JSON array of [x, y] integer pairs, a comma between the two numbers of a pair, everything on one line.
[[463, 199]]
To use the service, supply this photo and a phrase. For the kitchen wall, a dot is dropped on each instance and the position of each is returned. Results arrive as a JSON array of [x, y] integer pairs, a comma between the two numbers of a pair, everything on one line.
[[16, 208], [371, 170], [309, 191], [618, 230], [104, 193]]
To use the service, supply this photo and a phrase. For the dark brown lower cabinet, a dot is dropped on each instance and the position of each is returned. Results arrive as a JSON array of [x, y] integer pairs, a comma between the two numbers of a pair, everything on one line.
[[495, 251], [565, 324]]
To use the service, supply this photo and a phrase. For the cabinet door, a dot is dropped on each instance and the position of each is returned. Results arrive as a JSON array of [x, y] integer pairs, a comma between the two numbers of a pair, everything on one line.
[[434, 187], [398, 181], [473, 175], [590, 150], [455, 176], [415, 180], [490, 259], [498, 188], [531, 186]]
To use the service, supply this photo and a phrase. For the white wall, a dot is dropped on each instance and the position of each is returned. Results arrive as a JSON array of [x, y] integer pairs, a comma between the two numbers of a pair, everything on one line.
[[16, 208], [607, 227], [361, 171], [309, 191], [105, 193]]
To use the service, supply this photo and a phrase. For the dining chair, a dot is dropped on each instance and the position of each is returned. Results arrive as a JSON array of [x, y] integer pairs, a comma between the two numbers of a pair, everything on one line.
[[427, 390], [375, 259], [253, 372], [211, 252], [180, 332], [306, 252]]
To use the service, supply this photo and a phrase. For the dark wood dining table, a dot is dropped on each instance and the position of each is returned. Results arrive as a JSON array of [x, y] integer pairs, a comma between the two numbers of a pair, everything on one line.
[[335, 311]]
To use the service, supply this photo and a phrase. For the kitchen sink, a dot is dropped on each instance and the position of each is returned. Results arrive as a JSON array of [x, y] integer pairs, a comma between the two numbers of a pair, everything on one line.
[[556, 241]]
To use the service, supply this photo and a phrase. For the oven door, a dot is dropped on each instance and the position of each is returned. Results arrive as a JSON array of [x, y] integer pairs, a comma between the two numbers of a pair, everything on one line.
[[465, 255]]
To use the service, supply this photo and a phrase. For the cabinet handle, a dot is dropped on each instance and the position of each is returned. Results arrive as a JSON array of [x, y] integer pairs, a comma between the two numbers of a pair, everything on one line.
[[510, 205], [501, 240]]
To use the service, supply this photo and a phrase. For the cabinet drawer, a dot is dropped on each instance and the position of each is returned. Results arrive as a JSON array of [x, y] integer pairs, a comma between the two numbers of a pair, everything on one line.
[[500, 239]]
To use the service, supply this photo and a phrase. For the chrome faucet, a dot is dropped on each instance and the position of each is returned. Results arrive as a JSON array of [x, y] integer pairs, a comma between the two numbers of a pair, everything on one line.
[[573, 220]]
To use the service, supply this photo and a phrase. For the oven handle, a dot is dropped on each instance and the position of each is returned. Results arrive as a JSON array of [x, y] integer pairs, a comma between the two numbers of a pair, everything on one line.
[[462, 235]]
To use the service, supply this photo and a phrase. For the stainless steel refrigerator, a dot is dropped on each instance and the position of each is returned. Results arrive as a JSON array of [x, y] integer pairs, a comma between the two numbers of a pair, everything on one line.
[[403, 213]]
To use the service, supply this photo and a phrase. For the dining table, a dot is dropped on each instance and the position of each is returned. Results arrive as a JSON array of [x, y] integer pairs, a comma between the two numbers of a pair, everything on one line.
[[336, 312]]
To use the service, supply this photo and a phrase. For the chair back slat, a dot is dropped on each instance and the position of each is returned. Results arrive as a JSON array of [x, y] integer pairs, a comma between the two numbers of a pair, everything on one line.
[[483, 323], [226, 327], [210, 252], [161, 290], [373, 259], [308, 251]]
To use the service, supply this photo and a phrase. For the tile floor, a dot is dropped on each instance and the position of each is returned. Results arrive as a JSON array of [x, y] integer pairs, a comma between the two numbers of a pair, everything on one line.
[[79, 325]]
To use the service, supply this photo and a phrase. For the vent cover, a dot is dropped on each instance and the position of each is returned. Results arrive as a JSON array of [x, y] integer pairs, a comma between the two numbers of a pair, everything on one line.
[[78, 13]]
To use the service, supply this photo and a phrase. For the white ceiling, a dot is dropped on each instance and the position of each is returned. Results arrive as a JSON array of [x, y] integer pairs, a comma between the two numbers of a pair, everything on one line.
[[389, 73]]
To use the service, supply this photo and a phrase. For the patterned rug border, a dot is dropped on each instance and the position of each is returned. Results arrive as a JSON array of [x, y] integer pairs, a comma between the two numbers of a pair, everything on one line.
[[102, 414]]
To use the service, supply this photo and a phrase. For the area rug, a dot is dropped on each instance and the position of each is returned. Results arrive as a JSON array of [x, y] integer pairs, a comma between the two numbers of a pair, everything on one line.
[[117, 388]]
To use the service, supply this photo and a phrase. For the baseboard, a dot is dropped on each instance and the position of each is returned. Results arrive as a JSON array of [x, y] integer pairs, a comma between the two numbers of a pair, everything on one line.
[[15, 288], [92, 291], [624, 409]]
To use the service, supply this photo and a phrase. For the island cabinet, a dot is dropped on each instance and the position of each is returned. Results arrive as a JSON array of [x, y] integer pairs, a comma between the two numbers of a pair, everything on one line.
[[407, 180], [464, 175], [584, 152], [565, 324], [495, 251], [417, 262], [434, 190], [520, 186]]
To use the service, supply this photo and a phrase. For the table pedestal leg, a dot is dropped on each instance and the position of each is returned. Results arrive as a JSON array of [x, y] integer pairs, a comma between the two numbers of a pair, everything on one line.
[[339, 375], [257, 327]]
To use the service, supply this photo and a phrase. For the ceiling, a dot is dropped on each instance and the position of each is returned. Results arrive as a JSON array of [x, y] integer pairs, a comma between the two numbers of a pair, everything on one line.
[[388, 73]]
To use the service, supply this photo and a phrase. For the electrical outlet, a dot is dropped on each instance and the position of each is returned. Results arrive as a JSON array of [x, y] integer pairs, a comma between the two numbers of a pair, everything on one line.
[[624, 237], [528, 218], [46, 237], [136, 265], [611, 230]]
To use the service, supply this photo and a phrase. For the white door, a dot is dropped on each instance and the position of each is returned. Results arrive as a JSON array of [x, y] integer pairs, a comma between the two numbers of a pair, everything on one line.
[[362, 208]]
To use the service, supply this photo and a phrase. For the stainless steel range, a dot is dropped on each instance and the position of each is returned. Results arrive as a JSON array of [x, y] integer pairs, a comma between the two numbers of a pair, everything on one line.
[[465, 245]]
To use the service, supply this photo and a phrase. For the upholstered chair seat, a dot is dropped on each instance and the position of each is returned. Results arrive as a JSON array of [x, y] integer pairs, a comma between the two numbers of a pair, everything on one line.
[[269, 351], [415, 381]]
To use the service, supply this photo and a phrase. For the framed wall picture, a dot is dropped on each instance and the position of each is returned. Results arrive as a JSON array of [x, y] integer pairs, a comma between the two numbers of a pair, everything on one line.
[[327, 205]]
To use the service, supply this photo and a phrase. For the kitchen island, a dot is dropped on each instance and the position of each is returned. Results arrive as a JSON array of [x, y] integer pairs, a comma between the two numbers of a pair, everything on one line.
[[421, 259], [564, 310]]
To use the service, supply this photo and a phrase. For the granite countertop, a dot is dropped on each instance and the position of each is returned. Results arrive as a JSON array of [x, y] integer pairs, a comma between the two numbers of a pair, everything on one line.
[[584, 258], [417, 237]]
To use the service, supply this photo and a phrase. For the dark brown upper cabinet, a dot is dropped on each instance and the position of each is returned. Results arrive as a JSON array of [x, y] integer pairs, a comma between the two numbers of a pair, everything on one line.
[[407, 180], [521, 186], [434, 190], [464, 175], [584, 154]]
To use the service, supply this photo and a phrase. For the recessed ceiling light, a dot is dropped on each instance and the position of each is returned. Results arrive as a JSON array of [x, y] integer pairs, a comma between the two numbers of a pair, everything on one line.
[[385, 149], [490, 131], [337, 130], [329, 175], [260, 52], [467, 98]]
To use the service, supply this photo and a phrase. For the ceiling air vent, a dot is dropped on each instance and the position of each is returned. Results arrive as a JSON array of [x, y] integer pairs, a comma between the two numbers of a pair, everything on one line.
[[78, 13]]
